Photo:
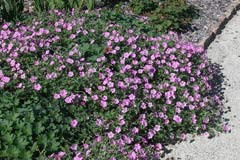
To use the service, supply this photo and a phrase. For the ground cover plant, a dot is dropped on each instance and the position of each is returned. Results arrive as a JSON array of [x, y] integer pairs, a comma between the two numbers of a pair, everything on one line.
[[83, 86]]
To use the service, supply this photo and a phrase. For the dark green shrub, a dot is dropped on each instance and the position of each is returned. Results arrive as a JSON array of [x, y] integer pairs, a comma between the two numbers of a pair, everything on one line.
[[11, 9], [173, 14], [162, 15], [143, 6]]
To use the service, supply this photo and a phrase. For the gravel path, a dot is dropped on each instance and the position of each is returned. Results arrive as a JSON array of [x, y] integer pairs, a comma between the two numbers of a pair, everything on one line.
[[225, 51], [210, 13]]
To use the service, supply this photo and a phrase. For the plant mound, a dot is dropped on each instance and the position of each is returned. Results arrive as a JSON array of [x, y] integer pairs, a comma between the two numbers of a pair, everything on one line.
[[80, 89]]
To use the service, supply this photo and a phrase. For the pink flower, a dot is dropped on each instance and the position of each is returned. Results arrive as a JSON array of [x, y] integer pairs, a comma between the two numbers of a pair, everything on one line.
[[63, 93], [98, 139], [122, 122], [72, 36], [5, 79], [95, 97], [206, 134], [143, 122], [106, 34], [183, 136], [150, 134], [5, 26], [78, 157], [33, 79], [20, 85], [74, 123], [150, 105], [127, 139], [32, 49], [137, 147], [104, 98], [74, 147], [37, 87], [110, 135], [85, 146], [135, 130], [99, 122], [70, 61], [132, 155], [68, 100], [164, 44], [157, 128], [148, 86], [101, 88], [143, 59], [88, 152], [69, 27], [143, 106], [191, 107], [61, 154], [126, 102], [103, 104], [57, 156], [36, 63], [56, 96], [117, 129], [158, 146], [70, 74], [110, 84], [58, 29], [121, 38], [177, 119], [131, 97], [116, 101]]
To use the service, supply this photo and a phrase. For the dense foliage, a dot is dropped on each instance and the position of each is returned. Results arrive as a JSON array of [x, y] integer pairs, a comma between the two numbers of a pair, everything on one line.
[[162, 15], [83, 86]]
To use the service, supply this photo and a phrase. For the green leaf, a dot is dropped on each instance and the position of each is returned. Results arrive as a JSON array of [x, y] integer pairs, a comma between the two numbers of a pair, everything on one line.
[[42, 140], [8, 138], [26, 155], [38, 128], [27, 130], [21, 143], [13, 152], [90, 4]]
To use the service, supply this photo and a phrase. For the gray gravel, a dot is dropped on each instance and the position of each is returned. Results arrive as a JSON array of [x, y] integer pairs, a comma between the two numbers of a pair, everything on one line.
[[209, 13], [225, 51]]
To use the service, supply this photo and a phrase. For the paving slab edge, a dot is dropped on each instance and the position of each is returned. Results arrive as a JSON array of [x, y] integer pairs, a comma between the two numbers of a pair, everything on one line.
[[216, 29]]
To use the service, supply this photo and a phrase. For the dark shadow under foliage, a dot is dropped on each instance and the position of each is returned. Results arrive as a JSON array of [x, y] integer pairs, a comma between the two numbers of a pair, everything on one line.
[[217, 81]]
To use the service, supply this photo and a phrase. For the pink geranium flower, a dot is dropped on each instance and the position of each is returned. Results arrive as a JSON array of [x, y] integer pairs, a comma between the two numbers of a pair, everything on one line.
[[110, 135], [68, 99], [63, 93], [37, 87], [177, 119], [74, 123]]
